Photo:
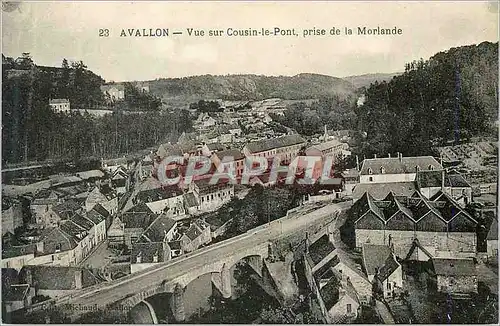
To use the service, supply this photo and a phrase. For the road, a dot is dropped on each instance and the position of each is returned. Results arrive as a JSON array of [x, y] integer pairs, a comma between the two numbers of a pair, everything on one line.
[[116, 290]]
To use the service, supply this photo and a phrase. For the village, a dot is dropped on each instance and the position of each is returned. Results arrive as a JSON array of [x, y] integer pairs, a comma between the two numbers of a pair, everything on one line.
[[415, 227]]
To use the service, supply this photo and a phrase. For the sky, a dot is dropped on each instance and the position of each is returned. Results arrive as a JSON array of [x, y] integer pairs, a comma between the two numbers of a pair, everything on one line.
[[51, 31]]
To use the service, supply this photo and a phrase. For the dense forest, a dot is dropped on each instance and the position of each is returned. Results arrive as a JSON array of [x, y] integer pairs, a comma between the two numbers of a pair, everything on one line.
[[448, 98], [335, 112], [31, 131]]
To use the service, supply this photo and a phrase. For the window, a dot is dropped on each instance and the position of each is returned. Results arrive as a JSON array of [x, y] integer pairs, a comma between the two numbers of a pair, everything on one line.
[[52, 257], [139, 258], [389, 286], [155, 258], [382, 170], [349, 308], [370, 179], [417, 168], [431, 167], [370, 171]]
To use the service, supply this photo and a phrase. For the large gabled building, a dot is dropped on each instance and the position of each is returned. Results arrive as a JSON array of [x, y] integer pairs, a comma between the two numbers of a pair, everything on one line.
[[441, 226], [396, 169]]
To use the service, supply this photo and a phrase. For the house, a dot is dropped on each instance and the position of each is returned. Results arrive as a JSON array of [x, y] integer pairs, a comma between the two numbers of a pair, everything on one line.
[[383, 269], [395, 169], [17, 296], [60, 105], [116, 233], [339, 300], [147, 254], [98, 209], [162, 229], [15, 257], [55, 281], [336, 295], [442, 227], [430, 183], [328, 148], [351, 179], [285, 147], [455, 276], [12, 215], [211, 197], [98, 215], [380, 190], [218, 226], [230, 161], [62, 212], [197, 235], [114, 91], [120, 180], [135, 221], [104, 195], [41, 206], [163, 199], [492, 240], [91, 175]]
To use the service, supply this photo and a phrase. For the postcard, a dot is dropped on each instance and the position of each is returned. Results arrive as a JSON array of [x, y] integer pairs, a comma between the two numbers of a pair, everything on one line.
[[211, 162]]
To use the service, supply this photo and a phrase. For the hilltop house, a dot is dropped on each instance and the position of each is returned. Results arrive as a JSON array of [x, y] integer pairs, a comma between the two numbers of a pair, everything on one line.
[[60, 105], [113, 91]]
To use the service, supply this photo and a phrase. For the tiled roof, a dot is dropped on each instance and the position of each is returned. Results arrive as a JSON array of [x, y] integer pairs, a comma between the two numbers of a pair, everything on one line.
[[374, 257], [160, 226], [193, 232], [59, 101], [380, 190], [14, 251], [90, 174], [402, 165], [147, 251], [15, 292], [272, 143], [82, 222], [67, 208], [330, 293], [230, 155], [493, 232], [152, 195], [190, 200], [320, 249], [57, 235], [134, 220], [326, 145], [58, 277], [454, 267], [74, 230], [389, 266]]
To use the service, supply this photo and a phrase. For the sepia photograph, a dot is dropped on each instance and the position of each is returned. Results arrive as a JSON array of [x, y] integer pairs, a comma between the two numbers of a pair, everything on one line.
[[237, 162]]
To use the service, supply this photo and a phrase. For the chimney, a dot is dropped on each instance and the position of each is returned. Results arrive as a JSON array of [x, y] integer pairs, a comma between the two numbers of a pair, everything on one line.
[[374, 155], [389, 155], [400, 157], [357, 162], [442, 180], [39, 246], [78, 279], [28, 277]]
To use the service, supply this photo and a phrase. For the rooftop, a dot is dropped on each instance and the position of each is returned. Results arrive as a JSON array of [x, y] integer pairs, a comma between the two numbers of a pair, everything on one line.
[[272, 143], [395, 165], [320, 249], [374, 257], [454, 267]]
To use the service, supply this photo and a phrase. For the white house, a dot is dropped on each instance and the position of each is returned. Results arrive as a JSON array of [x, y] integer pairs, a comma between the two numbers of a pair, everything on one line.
[[60, 105], [395, 169]]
